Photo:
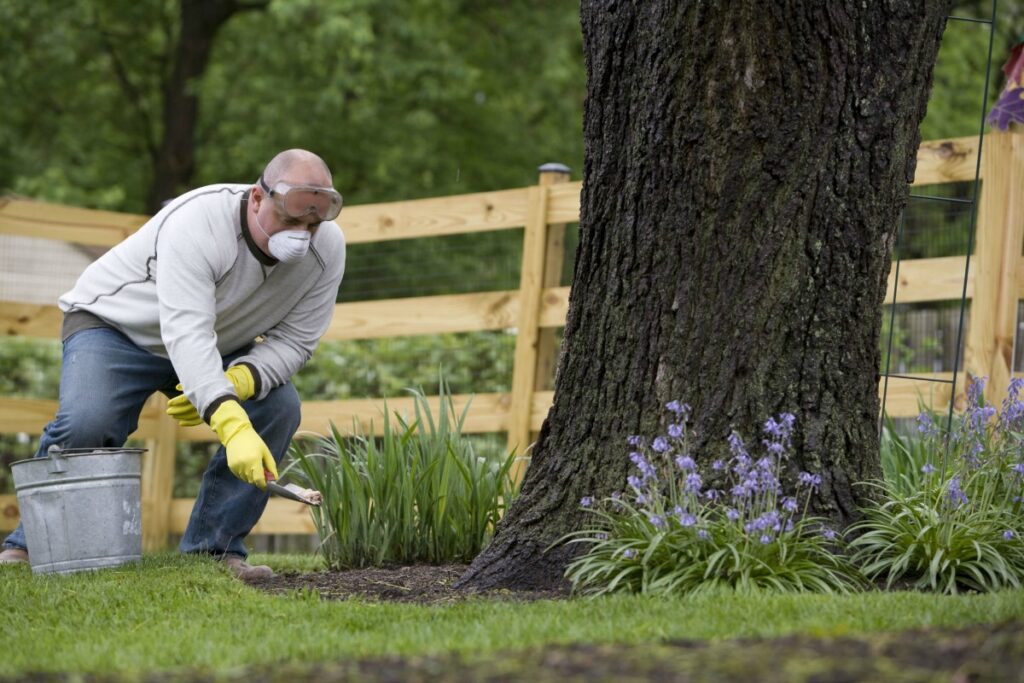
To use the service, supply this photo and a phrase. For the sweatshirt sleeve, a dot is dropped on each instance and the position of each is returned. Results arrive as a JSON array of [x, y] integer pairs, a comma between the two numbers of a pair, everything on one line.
[[189, 261], [289, 345]]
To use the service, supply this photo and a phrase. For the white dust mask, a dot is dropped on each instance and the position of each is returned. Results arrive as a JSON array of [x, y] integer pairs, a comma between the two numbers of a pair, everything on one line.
[[287, 246]]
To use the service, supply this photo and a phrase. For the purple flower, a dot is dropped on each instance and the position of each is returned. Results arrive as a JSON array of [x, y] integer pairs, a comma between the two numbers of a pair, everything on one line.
[[712, 494], [687, 519], [1009, 535], [703, 533], [1018, 468], [732, 514], [685, 462], [789, 504], [657, 521], [681, 409], [808, 479], [635, 440], [617, 500], [629, 553], [976, 391], [928, 468], [675, 431], [718, 465], [736, 446], [660, 445], [634, 481], [766, 539], [925, 424], [601, 536], [693, 482], [956, 495], [829, 534], [586, 501]]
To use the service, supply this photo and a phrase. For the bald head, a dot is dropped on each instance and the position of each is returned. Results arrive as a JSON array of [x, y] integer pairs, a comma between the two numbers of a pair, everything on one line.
[[298, 167]]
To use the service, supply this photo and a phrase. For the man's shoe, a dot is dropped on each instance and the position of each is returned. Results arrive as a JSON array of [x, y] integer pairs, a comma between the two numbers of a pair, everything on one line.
[[13, 556], [241, 569]]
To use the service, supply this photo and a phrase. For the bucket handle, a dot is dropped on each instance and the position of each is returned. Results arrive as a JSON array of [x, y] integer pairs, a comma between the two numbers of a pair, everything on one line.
[[57, 463]]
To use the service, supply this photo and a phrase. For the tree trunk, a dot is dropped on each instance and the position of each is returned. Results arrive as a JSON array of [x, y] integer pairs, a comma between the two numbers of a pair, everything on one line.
[[745, 169], [175, 160]]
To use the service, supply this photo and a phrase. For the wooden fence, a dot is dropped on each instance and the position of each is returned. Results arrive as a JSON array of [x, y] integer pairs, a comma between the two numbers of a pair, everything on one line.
[[536, 309]]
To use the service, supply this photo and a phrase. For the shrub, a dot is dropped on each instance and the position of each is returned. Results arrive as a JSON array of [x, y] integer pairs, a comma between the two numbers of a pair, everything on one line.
[[954, 523], [419, 493], [669, 533]]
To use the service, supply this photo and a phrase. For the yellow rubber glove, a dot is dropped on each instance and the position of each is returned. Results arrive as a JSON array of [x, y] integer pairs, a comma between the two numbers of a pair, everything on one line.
[[247, 454], [182, 410]]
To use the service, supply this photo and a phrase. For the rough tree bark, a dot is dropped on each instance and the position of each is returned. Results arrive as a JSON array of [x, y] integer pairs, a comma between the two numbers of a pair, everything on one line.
[[175, 156], [745, 167]]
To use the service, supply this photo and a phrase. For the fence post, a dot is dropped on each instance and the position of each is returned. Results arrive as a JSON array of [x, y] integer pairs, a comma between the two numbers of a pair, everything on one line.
[[547, 349], [996, 264], [531, 287], [158, 476]]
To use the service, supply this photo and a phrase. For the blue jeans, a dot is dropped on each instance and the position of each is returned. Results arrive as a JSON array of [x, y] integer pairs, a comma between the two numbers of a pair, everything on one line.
[[104, 381]]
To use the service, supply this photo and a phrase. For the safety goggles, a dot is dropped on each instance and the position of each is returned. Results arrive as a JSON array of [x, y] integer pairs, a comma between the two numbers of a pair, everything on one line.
[[299, 201]]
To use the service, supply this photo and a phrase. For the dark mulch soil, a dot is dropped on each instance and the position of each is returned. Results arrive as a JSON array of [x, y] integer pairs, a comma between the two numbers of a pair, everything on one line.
[[421, 584]]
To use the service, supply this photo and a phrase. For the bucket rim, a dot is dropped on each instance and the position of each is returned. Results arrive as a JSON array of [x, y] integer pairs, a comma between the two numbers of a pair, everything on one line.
[[75, 452]]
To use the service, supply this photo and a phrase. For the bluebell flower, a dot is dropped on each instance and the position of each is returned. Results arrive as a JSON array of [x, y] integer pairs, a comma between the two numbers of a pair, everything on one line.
[[808, 479], [693, 482], [635, 440], [975, 391], [685, 462], [789, 504], [629, 553], [1018, 468], [702, 533], [718, 465], [634, 481], [657, 521], [1009, 535], [736, 446], [956, 495], [675, 431], [712, 494], [601, 536], [732, 514], [928, 468], [586, 501], [686, 519], [766, 539], [660, 445], [829, 534], [681, 409], [925, 424]]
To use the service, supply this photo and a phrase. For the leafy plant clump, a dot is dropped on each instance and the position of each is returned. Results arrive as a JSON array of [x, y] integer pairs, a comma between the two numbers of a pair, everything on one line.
[[420, 492], [958, 526], [671, 533]]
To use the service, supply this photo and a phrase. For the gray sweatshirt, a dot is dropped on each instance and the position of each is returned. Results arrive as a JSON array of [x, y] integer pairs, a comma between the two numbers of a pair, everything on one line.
[[191, 286]]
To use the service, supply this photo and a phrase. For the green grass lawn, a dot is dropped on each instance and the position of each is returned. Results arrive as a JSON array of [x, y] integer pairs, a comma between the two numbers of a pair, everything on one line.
[[172, 612]]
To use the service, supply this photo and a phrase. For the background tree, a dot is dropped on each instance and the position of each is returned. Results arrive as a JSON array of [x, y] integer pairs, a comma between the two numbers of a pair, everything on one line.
[[745, 167]]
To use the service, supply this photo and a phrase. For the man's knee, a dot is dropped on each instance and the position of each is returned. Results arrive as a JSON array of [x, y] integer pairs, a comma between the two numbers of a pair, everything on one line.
[[85, 426]]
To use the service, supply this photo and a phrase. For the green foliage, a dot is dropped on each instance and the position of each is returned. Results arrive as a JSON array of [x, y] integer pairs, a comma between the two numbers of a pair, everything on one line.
[[956, 523], [669, 535], [419, 493], [902, 458]]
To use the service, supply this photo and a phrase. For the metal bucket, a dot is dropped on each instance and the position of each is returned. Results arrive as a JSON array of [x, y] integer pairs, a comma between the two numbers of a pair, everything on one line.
[[81, 508]]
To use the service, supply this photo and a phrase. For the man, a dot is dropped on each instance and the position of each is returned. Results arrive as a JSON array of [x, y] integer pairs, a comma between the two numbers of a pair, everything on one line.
[[222, 295]]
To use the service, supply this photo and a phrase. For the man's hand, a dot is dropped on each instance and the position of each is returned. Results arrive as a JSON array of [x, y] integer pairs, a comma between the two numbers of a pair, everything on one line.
[[182, 410], [247, 454]]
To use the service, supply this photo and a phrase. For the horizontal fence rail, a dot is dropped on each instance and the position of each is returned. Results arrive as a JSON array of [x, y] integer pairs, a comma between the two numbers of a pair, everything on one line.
[[534, 311]]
